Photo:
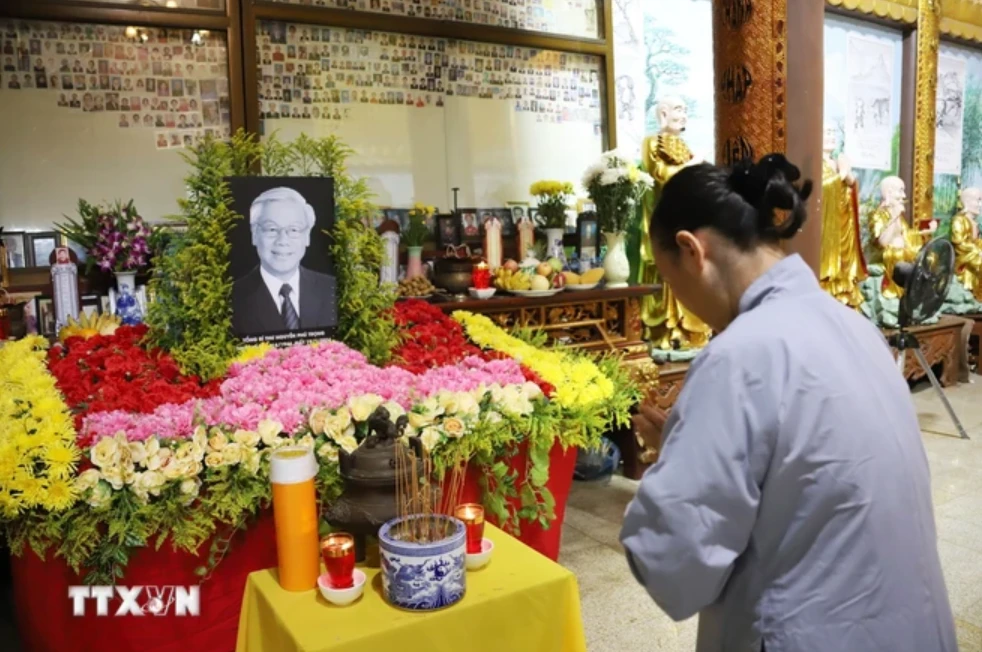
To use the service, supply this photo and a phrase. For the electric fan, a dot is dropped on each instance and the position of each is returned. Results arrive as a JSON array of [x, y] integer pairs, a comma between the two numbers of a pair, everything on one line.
[[925, 283]]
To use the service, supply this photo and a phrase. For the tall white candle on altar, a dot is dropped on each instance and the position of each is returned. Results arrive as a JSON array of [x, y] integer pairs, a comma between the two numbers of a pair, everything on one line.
[[526, 237], [492, 242]]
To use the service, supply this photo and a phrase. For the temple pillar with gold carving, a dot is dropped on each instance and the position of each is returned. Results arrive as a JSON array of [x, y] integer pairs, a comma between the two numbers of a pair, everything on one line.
[[769, 91]]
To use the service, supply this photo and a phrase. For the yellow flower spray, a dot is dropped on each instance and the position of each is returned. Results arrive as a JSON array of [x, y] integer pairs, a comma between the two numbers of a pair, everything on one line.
[[38, 452]]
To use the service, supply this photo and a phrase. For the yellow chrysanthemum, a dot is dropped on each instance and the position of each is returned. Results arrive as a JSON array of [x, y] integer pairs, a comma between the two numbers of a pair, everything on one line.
[[250, 353], [38, 452], [578, 381]]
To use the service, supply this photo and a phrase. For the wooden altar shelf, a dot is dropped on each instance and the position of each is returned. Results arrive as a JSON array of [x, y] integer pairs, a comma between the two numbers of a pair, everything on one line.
[[594, 320], [940, 343]]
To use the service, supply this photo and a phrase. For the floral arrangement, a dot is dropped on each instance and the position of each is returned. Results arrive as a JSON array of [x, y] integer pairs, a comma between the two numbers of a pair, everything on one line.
[[616, 185], [114, 372], [418, 229], [554, 197], [115, 237], [37, 438]]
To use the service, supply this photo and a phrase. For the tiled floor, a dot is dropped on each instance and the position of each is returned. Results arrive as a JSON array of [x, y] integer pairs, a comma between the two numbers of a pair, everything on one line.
[[619, 616]]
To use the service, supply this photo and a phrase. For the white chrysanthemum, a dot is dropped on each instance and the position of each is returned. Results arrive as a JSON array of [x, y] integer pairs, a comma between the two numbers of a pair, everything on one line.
[[611, 176]]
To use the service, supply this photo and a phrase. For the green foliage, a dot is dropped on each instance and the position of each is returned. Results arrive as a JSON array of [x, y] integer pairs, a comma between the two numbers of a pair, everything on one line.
[[191, 312], [416, 232]]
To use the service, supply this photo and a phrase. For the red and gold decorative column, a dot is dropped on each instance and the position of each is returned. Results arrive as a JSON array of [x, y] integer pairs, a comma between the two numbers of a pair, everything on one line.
[[769, 80]]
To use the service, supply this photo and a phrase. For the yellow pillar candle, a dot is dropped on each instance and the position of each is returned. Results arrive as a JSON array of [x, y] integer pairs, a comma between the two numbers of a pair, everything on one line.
[[292, 472]]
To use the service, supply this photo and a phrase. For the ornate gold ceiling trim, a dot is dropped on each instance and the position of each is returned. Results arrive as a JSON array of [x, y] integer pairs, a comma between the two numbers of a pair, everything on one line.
[[904, 11], [962, 19]]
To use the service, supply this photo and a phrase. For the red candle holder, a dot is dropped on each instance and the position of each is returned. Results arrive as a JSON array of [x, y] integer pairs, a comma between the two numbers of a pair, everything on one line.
[[481, 276], [472, 515], [338, 553]]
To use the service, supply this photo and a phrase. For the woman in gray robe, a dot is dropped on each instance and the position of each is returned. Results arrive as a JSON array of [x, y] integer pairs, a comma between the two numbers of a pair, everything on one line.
[[791, 503]]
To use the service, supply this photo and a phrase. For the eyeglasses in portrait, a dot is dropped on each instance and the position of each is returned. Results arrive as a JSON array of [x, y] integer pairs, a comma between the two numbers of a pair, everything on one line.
[[284, 288]]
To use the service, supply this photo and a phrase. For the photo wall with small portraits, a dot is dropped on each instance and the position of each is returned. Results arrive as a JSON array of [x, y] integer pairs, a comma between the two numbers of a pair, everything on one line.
[[578, 18], [426, 115], [88, 109], [173, 82]]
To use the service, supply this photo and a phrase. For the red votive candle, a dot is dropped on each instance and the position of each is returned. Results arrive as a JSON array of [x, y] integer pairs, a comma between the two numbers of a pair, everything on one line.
[[481, 276], [472, 515], [338, 552]]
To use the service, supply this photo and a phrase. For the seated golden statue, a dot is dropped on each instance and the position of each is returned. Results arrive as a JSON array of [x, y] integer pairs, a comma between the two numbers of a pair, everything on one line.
[[893, 238], [968, 246], [842, 267], [668, 324]]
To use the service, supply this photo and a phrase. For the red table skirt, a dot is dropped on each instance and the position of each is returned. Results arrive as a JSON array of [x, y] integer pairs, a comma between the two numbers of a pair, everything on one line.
[[44, 610], [562, 463]]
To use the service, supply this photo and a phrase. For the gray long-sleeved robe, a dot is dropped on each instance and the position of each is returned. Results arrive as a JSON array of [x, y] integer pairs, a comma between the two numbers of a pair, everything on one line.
[[791, 504]]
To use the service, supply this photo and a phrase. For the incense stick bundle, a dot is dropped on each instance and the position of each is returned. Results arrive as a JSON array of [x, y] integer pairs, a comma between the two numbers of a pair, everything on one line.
[[417, 495]]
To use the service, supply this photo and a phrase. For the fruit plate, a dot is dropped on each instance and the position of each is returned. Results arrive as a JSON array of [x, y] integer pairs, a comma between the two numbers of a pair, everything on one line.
[[532, 294], [581, 288]]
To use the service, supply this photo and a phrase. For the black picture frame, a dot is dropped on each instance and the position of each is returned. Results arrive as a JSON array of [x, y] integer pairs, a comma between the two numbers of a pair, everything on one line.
[[470, 225], [44, 309], [39, 247], [16, 249], [447, 230], [587, 235], [257, 261]]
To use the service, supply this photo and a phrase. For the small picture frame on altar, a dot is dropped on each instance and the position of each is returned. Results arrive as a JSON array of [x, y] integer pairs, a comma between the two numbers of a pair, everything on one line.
[[587, 236], [40, 247], [448, 233], [519, 211], [44, 308], [15, 249], [470, 225], [91, 305], [504, 215]]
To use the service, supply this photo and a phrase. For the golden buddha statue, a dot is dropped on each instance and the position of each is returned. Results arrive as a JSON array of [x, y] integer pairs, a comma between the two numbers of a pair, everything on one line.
[[668, 324], [968, 246], [893, 238], [842, 267]]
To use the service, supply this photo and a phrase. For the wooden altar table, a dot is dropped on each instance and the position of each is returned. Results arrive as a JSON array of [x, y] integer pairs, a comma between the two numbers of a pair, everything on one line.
[[944, 344]]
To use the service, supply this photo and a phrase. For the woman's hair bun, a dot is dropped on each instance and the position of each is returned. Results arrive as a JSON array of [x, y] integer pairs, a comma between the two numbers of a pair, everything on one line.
[[768, 185]]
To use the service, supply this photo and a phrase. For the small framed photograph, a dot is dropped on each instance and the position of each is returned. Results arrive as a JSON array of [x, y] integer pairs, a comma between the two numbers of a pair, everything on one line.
[[587, 236], [448, 231], [91, 305], [44, 308], [470, 227], [14, 246], [519, 211], [505, 216], [40, 246]]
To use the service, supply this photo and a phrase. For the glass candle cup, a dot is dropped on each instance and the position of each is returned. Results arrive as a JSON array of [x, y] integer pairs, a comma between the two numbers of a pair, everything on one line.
[[472, 515], [481, 276], [338, 553]]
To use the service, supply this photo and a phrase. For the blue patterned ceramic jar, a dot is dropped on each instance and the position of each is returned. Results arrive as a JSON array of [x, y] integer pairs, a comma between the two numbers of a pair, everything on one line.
[[423, 576]]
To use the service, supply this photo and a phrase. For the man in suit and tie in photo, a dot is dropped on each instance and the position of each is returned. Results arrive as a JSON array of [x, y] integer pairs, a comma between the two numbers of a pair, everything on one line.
[[279, 295]]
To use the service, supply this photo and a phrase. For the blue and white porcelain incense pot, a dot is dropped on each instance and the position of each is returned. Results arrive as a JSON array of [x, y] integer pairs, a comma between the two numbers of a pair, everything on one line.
[[423, 576]]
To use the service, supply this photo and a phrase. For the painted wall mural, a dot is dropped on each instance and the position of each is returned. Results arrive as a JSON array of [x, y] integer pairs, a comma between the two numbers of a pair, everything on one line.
[[663, 48], [863, 65]]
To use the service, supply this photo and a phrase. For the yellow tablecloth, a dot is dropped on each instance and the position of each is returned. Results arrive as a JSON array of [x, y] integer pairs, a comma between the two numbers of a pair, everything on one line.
[[520, 602]]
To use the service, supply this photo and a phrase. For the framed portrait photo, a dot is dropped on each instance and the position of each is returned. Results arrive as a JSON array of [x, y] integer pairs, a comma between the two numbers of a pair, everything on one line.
[[40, 246], [470, 227], [447, 231], [15, 249], [283, 283], [44, 308]]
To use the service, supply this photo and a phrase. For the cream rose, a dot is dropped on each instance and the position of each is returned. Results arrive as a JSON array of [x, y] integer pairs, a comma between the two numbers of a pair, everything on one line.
[[418, 420], [317, 420], [138, 452], [362, 406], [232, 454], [105, 453], [213, 460], [153, 446], [190, 488], [454, 427], [149, 482], [87, 480], [337, 424], [251, 461], [218, 440], [247, 438], [531, 390], [158, 460], [395, 410], [269, 432], [430, 438], [174, 468], [200, 438], [348, 443], [101, 496], [466, 405], [328, 453], [115, 476], [307, 441]]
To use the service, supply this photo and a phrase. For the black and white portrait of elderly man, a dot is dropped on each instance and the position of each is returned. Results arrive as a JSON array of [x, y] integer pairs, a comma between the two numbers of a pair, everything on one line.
[[280, 294]]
